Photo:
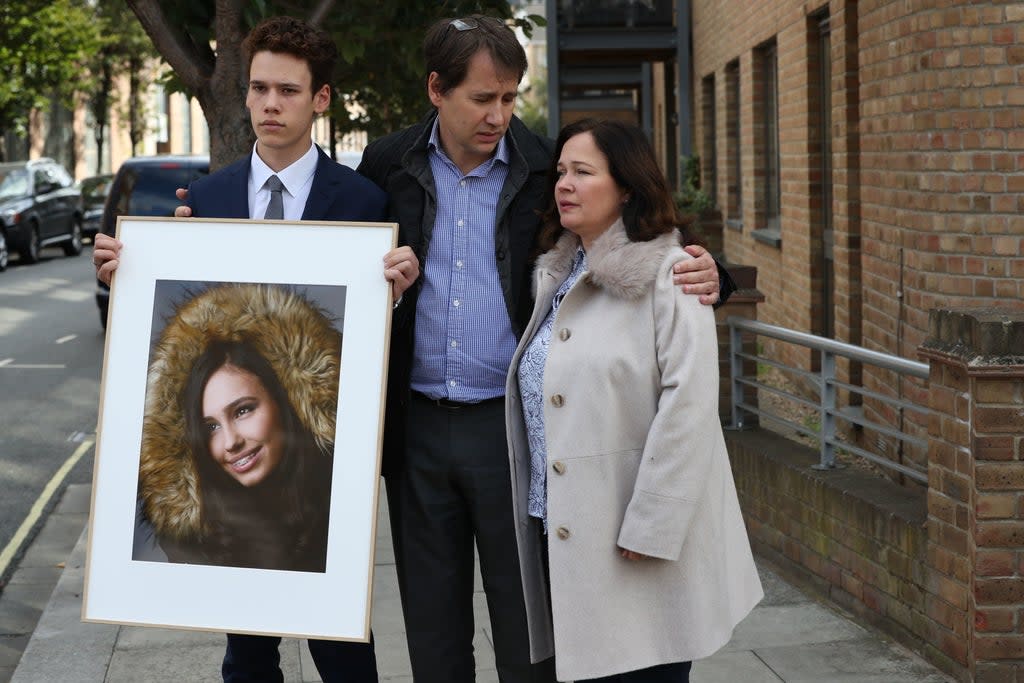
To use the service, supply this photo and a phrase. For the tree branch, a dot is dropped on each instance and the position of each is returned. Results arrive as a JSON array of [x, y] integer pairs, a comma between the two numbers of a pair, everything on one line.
[[316, 17], [172, 44], [228, 74]]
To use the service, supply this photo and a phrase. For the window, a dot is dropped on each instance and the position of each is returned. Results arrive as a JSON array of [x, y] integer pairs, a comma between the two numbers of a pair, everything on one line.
[[734, 158], [821, 83], [709, 160], [767, 67]]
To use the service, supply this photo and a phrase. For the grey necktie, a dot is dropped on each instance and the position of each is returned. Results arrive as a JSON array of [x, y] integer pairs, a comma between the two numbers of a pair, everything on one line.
[[275, 209]]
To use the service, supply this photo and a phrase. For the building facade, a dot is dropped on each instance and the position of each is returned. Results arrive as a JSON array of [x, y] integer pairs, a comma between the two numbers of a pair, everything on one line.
[[868, 158]]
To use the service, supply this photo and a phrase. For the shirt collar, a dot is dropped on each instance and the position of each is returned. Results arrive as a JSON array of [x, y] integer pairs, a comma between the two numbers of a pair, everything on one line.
[[293, 177], [434, 147]]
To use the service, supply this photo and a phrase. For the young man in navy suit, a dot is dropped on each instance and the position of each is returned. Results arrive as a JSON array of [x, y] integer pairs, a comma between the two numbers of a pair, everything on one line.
[[287, 177]]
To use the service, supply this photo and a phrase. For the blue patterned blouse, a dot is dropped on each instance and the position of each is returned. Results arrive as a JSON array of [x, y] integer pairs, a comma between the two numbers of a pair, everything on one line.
[[531, 390]]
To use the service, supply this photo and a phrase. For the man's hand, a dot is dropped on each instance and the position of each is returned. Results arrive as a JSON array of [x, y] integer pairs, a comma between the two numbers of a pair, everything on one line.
[[105, 254], [698, 275], [182, 211], [401, 268]]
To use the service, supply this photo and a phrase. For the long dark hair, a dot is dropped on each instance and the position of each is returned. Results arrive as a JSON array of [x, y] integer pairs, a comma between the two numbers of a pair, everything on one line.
[[650, 211], [295, 495]]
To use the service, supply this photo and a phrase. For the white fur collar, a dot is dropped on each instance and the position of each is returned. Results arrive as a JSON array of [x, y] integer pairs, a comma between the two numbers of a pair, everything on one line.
[[625, 269]]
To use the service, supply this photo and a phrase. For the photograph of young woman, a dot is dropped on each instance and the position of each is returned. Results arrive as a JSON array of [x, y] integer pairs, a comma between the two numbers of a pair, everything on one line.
[[237, 447]]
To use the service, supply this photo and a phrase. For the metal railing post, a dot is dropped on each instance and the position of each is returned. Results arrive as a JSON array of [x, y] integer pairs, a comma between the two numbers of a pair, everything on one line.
[[827, 432], [735, 372], [829, 386]]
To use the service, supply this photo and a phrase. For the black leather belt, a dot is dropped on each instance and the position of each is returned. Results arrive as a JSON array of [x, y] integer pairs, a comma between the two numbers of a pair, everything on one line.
[[454, 405]]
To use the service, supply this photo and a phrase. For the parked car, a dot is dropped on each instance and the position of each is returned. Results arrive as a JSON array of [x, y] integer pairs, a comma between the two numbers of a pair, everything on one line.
[[144, 186], [94, 195], [39, 206]]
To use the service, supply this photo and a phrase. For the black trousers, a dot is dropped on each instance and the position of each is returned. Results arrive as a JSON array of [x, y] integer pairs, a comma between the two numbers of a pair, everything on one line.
[[454, 488], [256, 659]]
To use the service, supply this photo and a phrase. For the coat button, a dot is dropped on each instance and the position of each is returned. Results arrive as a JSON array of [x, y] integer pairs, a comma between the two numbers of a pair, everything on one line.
[[558, 466], [563, 533], [557, 400], [564, 334]]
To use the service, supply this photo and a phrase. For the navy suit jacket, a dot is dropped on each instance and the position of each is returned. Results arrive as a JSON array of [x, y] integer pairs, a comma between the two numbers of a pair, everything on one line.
[[337, 194]]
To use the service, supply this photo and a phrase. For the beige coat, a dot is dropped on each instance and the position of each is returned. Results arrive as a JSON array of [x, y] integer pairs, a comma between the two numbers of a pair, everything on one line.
[[636, 459]]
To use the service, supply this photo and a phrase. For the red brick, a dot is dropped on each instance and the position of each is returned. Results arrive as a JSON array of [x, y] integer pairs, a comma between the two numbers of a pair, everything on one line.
[[993, 448], [1000, 534], [1000, 475], [999, 647], [996, 505], [995, 619], [995, 563], [993, 420], [999, 591], [998, 391]]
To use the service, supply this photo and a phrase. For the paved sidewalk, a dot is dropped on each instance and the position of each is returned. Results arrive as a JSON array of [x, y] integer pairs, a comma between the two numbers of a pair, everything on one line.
[[789, 637]]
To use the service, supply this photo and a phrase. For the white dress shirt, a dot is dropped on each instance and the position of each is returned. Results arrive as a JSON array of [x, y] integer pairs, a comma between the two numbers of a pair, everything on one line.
[[297, 178]]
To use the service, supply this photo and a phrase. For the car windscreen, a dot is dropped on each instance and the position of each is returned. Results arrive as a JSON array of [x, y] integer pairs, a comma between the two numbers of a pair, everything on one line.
[[149, 190], [94, 191], [13, 183]]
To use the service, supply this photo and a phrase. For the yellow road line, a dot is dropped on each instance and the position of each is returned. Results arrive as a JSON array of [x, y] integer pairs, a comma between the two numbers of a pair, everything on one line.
[[37, 508]]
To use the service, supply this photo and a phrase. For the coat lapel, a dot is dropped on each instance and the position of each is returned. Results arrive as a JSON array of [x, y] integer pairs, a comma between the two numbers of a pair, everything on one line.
[[236, 195], [322, 192]]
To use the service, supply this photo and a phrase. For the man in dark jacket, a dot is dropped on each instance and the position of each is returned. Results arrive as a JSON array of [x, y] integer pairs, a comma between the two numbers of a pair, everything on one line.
[[465, 186]]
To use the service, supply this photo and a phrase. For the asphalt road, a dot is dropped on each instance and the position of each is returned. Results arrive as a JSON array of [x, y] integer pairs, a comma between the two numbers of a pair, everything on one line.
[[51, 352]]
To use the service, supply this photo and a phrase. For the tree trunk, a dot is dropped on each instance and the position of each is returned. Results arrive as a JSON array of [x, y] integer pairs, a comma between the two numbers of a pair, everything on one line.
[[218, 83], [100, 106], [134, 114]]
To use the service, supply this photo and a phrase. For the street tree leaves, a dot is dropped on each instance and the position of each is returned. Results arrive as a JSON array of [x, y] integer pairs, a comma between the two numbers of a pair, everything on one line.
[[125, 50], [44, 47]]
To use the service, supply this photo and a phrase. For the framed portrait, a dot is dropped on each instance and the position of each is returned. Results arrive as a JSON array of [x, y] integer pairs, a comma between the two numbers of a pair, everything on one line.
[[239, 436]]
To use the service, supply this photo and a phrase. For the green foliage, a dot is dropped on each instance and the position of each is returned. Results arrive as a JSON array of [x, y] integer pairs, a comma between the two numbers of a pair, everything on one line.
[[691, 198], [532, 107], [124, 49], [44, 46], [379, 83], [380, 77]]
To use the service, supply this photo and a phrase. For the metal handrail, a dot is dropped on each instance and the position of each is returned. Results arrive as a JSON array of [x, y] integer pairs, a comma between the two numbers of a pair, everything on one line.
[[827, 385]]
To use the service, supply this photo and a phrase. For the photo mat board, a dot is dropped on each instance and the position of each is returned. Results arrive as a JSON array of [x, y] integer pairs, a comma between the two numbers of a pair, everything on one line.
[[335, 268]]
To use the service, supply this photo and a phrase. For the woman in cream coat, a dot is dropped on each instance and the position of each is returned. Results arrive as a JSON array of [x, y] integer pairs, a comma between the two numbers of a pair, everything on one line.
[[614, 437]]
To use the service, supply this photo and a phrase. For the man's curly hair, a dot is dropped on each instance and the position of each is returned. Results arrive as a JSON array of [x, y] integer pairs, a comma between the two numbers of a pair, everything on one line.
[[290, 36]]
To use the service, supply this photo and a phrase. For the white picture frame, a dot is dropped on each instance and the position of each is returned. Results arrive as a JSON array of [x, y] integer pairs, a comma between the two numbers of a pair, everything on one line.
[[331, 264]]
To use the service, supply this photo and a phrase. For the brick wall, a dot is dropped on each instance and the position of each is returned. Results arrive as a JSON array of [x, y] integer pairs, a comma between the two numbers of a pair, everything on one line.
[[927, 157], [976, 490], [842, 534]]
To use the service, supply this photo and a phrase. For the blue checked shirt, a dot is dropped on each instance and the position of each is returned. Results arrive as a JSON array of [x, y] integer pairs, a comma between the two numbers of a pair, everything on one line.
[[464, 338]]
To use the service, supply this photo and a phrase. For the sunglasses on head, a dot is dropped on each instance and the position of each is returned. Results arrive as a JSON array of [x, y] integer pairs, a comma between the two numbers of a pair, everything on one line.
[[464, 24]]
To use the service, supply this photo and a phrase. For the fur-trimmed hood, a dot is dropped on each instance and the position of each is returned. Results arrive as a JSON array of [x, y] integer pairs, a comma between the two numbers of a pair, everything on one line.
[[296, 338], [625, 269]]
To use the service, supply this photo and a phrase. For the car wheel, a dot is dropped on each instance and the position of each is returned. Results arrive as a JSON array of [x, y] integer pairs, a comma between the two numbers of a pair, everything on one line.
[[30, 250], [73, 247], [4, 255]]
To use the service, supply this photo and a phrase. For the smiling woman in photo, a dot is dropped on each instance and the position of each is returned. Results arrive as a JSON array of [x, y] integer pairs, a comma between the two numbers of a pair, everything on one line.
[[237, 446]]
